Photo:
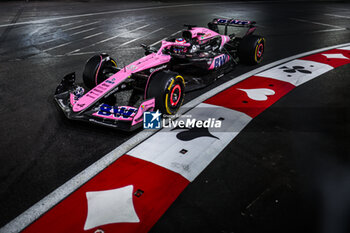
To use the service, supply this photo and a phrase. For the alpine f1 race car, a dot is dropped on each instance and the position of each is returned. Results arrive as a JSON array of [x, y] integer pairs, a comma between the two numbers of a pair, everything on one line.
[[118, 97]]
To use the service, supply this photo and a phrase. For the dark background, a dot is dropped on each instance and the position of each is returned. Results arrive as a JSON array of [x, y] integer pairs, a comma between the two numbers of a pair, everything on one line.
[[287, 171]]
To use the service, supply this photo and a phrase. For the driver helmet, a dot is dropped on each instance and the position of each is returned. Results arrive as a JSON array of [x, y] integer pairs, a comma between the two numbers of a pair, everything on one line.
[[178, 48], [78, 92]]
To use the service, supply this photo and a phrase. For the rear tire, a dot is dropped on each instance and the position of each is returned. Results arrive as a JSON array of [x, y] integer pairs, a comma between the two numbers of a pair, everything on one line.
[[97, 68], [168, 89], [251, 49]]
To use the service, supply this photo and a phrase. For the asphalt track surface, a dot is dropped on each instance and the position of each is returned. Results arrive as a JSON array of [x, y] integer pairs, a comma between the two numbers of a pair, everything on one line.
[[287, 170]]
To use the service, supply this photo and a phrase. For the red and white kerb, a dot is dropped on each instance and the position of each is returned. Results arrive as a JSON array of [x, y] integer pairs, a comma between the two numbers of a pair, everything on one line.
[[132, 193]]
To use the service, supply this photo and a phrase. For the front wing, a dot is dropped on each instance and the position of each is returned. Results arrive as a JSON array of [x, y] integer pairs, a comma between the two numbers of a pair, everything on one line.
[[124, 118]]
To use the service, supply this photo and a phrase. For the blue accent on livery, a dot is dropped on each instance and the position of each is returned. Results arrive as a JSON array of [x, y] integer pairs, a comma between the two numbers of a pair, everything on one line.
[[221, 60], [233, 21], [107, 81], [123, 112], [105, 110]]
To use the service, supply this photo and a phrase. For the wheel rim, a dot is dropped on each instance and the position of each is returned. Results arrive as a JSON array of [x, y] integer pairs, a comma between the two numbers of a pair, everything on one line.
[[260, 50], [175, 95]]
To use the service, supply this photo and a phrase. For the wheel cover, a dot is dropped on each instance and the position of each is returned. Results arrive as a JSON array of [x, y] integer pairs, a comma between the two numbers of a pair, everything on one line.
[[98, 70], [260, 50], [175, 95]]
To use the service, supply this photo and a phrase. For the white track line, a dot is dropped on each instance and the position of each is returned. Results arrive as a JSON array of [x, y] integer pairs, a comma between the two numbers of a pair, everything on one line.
[[44, 42], [82, 53], [87, 37], [77, 50], [130, 41], [151, 45], [110, 38], [41, 207], [339, 16], [317, 23], [97, 52], [70, 35], [112, 12], [68, 24], [176, 32], [80, 26], [58, 46], [330, 30], [86, 30], [113, 37], [64, 25]]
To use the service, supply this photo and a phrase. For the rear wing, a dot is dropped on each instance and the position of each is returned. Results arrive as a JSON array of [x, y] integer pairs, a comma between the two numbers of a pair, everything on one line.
[[232, 23]]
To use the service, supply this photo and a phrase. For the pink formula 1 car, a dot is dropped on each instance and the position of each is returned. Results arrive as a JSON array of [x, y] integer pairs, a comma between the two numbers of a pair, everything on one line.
[[118, 97]]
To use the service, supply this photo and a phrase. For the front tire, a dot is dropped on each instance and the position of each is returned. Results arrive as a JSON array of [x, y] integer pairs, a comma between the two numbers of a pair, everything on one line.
[[168, 89], [97, 68], [251, 49]]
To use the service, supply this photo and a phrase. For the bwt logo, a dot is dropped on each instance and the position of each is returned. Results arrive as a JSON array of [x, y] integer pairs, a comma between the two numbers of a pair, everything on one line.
[[124, 112], [151, 120], [220, 60], [234, 21]]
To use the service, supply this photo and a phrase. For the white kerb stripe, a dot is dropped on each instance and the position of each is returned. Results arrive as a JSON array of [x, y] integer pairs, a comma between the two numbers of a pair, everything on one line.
[[297, 71], [48, 202], [164, 147], [345, 48]]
